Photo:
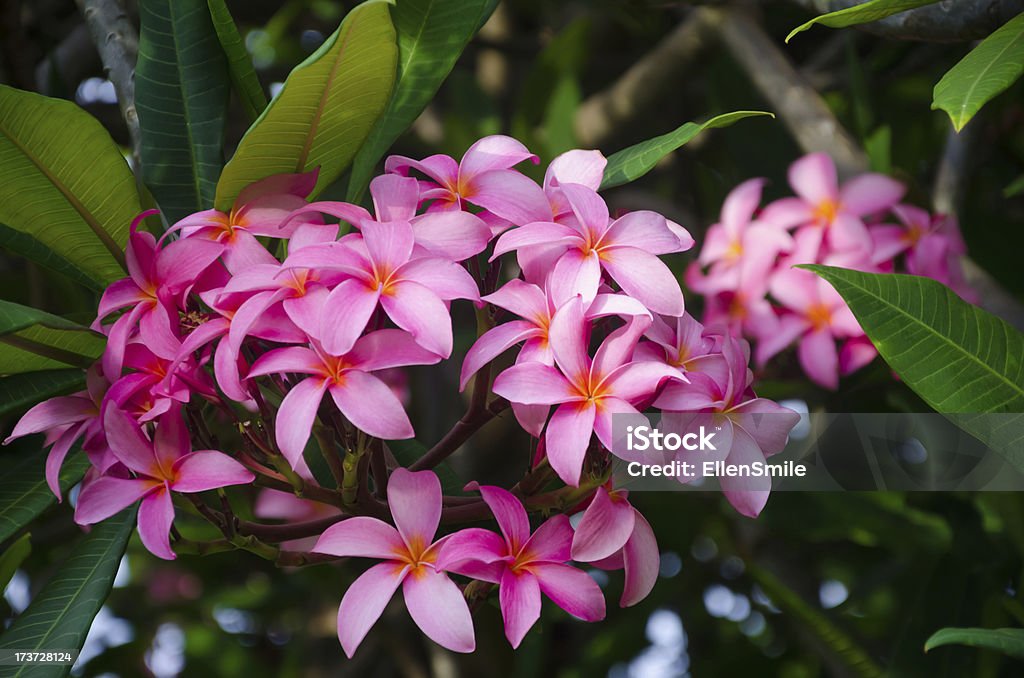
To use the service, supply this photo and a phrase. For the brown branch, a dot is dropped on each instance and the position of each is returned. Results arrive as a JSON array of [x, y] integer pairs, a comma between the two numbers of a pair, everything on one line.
[[464, 428], [288, 531]]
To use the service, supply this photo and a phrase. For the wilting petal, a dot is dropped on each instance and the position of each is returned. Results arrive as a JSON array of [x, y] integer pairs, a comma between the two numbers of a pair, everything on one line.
[[571, 589], [353, 301], [534, 384], [437, 606], [520, 604], [509, 513], [296, 415], [606, 526], [371, 406], [870, 193], [642, 562], [106, 495], [819, 358], [156, 513], [813, 178], [510, 195], [365, 601], [493, 343], [208, 470], [469, 545], [552, 541], [420, 312], [444, 278], [567, 439], [361, 537], [453, 235], [645, 277]]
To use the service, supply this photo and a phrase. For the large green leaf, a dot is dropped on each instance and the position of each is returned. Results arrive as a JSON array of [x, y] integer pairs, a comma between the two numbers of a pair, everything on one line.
[[181, 92], [21, 390], [32, 340], [23, 490], [60, 616], [632, 163], [987, 70], [864, 13], [29, 247], [431, 36], [1007, 641], [12, 558], [326, 109], [960, 359], [243, 75], [64, 182]]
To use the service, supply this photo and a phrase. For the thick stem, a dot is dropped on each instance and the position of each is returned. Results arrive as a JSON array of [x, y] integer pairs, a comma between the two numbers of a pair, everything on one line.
[[463, 430]]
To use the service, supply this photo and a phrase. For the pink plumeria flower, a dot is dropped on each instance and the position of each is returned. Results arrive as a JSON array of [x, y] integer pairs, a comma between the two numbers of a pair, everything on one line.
[[161, 466], [523, 565], [818, 316], [585, 168], [382, 272], [613, 535], [365, 400], [834, 212], [626, 249], [587, 391], [409, 554], [259, 210], [155, 277], [450, 234], [484, 178], [736, 242], [674, 341], [163, 382], [65, 420], [747, 429]]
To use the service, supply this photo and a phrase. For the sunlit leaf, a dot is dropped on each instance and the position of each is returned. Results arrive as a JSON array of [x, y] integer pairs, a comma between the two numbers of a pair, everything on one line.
[[632, 163], [32, 340], [863, 13], [989, 69]]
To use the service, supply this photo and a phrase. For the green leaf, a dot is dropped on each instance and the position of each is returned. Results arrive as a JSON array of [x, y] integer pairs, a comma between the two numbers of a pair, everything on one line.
[[24, 494], [1015, 187], [431, 36], [181, 92], [1008, 641], [21, 390], [60, 616], [326, 109], [986, 71], [864, 13], [243, 75], [64, 182], [960, 359], [12, 558], [27, 246], [631, 163], [408, 451], [36, 340]]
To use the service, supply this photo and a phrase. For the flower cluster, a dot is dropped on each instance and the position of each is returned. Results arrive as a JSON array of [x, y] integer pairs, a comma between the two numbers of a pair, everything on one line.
[[280, 330], [745, 267]]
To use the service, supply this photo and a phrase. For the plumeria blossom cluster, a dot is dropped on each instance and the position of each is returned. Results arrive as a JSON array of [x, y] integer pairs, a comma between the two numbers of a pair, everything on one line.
[[746, 265], [244, 344]]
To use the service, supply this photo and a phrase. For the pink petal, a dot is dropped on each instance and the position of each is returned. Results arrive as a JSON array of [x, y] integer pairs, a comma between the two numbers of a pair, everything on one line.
[[531, 417], [510, 195], [180, 263], [575, 274], [304, 311], [353, 301], [589, 208], [534, 384], [371, 406], [493, 343], [794, 288], [171, 440], [645, 277], [848, 232], [747, 494], [361, 537], [118, 295], [156, 513], [55, 459], [395, 197], [438, 607], [855, 354], [571, 589], [870, 193], [415, 502], [365, 601], [789, 329], [567, 439], [420, 312], [576, 167], [208, 470], [568, 336], [636, 381], [645, 230], [606, 526], [440, 168], [298, 359], [473, 544], [332, 256], [552, 542], [767, 422], [741, 203], [389, 245], [813, 178], [642, 562], [127, 442], [520, 604], [492, 153], [384, 349], [525, 300], [617, 348], [251, 310], [298, 184], [53, 413], [533, 235], [608, 407], [443, 277], [819, 359], [887, 242], [453, 235], [786, 213], [295, 417], [106, 495], [509, 513]]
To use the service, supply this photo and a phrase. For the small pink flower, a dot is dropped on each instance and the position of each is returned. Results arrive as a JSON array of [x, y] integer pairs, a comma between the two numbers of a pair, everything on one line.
[[162, 465], [523, 565], [409, 556]]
